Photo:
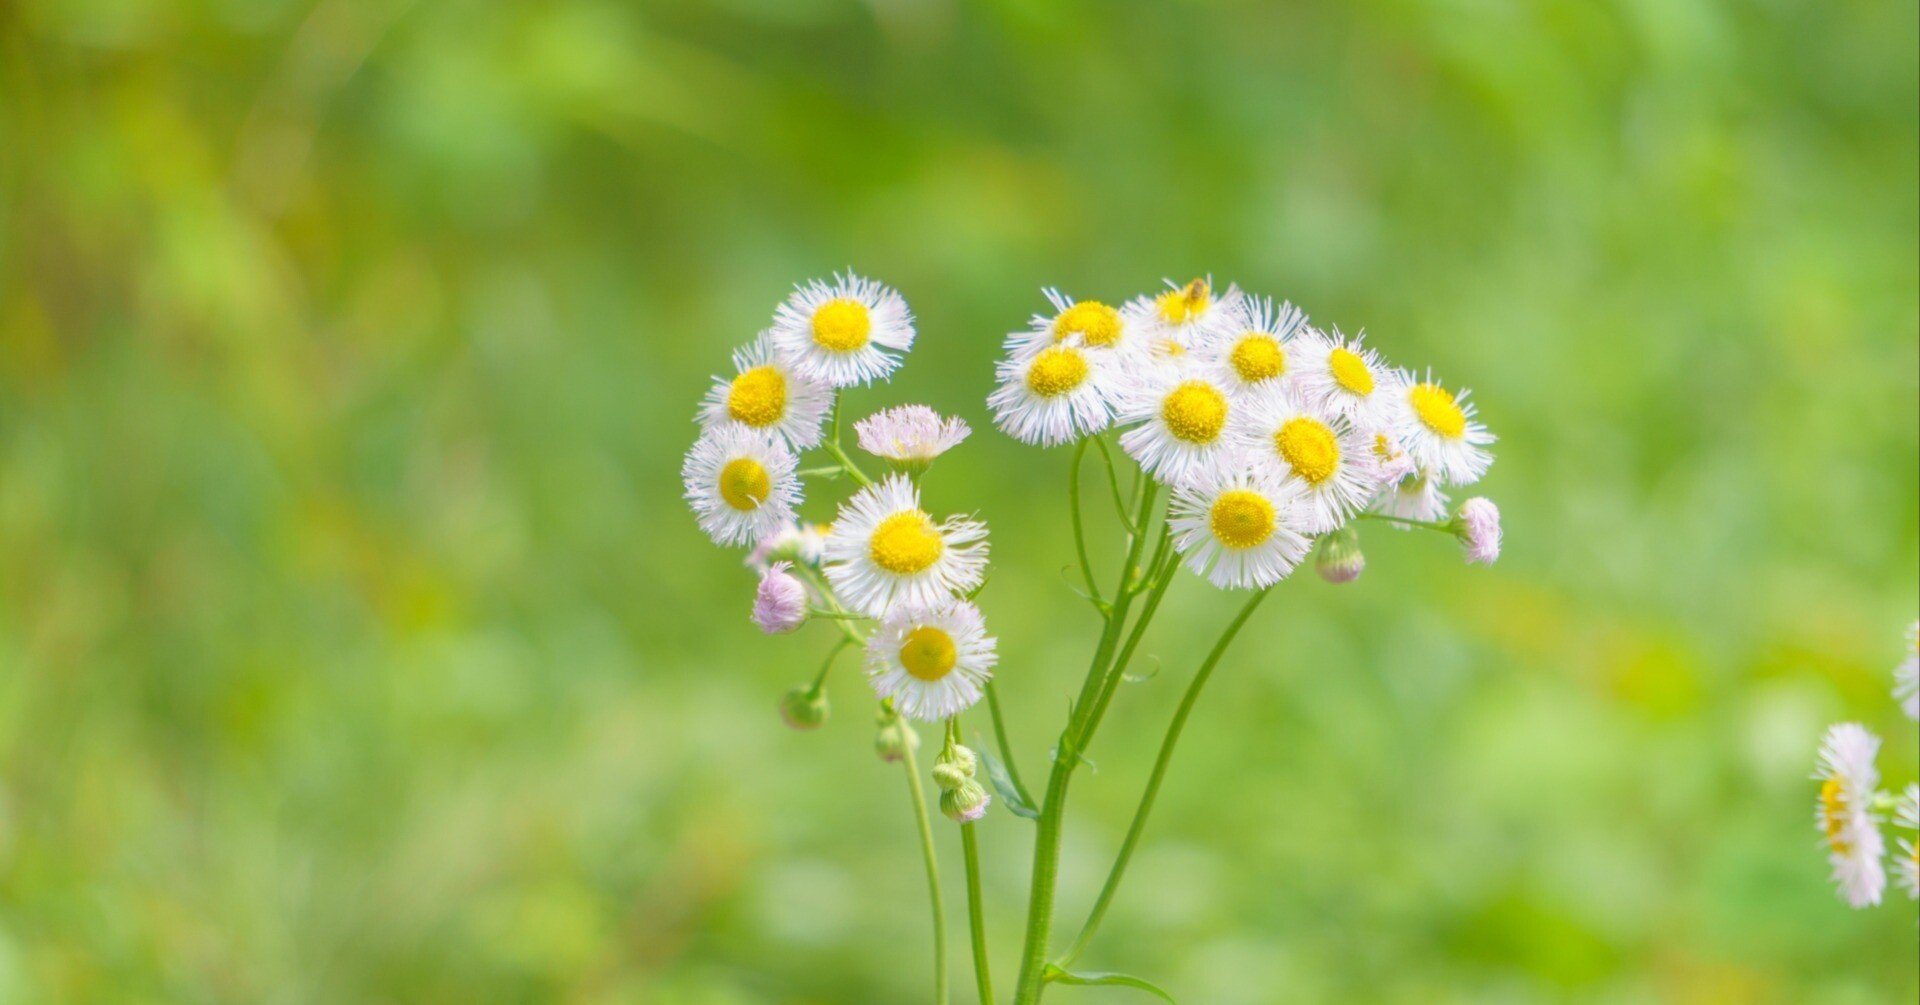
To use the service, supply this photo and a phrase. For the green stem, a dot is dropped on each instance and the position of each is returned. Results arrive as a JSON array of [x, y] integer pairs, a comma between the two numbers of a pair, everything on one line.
[[1153, 781], [1163, 567], [1443, 527], [1006, 748], [840, 453], [1046, 842], [933, 875], [1113, 481], [820, 679], [976, 915], [1079, 528]]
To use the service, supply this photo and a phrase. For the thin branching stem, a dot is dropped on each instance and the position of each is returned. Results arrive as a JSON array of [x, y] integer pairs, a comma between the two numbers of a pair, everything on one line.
[[920, 819], [1006, 747]]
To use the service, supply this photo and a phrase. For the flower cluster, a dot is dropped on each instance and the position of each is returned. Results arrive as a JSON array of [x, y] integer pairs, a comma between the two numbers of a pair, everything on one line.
[[1849, 807], [1268, 431], [883, 557]]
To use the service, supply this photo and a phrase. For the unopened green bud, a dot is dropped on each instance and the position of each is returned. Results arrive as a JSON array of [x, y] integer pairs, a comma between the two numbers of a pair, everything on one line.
[[804, 707], [966, 802], [895, 738], [956, 762], [1339, 559]]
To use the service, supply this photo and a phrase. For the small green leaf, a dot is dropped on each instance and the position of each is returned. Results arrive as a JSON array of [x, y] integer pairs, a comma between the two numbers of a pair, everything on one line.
[[1057, 975], [1142, 678], [1003, 784]]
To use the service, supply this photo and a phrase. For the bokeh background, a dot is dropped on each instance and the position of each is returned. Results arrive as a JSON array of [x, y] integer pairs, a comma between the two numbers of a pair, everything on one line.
[[355, 645]]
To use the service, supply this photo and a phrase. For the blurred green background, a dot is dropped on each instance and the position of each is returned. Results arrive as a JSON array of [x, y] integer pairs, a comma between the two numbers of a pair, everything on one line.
[[355, 645]]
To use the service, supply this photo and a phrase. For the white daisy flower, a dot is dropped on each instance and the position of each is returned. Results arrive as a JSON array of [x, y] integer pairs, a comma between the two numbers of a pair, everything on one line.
[[884, 550], [766, 394], [1438, 429], [1844, 812], [1250, 348], [910, 434], [1906, 676], [1906, 863], [932, 660], [1055, 396], [1088, 324], [1415, 497], [850, 331], [1187, 314], [1330, 461], [740, 483], [1342, 377], [1238, 526], [1185, 424]]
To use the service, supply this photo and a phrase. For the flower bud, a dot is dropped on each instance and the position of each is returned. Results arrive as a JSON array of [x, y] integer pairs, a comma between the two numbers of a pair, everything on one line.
[[895, 738], [780, 604], [804, 707], [965, 803], [1339, 559], [1478, 527]]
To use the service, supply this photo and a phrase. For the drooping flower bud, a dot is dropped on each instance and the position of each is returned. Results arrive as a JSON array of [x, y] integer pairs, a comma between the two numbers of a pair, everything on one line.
[[965, 803], [1478, 526], [895, 738], [1339, 559], [804, 707], [780, 604]]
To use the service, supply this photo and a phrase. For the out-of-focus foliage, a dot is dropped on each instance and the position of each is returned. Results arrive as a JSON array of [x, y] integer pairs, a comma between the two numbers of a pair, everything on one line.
[[354, 645]]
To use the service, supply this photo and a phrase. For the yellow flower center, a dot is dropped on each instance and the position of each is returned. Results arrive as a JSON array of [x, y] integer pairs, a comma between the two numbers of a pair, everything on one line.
[[744, 484], [758, 397], [1309, 447], [1241, 518], [1057, 371], [928, 653], [842, 325], [1092, 320], [1180, 306], [1258, 357], [1382, 447], [1438, 410], [1833, 813], [905, 543], [1350, 371], [1195, 412]]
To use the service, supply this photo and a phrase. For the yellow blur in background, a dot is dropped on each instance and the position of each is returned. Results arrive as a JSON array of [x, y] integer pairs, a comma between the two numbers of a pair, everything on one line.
[[355, 644]]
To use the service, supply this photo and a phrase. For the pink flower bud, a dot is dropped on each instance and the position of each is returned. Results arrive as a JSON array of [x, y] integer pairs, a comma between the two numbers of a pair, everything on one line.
[[780, 604]]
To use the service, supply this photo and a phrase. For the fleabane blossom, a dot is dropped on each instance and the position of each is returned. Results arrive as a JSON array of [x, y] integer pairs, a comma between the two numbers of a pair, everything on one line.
[[1088, 324], [766, 394], [910, 434], [1906, 861], [741, 484], [1250, 349], [1844, 812], [1055, 396], [1440, 432], [844, 332], [780, 601], [1479, 530], [1906, 676], [1418, 496], [1181, 317], [1185, 424], [1238, 525], [884, 550], [1341, 376], [1329, 460], [931, 659]]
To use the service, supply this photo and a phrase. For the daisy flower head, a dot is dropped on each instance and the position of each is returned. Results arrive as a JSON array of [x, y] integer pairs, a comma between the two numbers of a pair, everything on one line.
[[1088, 324], [1325, 456], [1439, 431], [1184, 313], [1906, 864], [910, 434], [1055, 396], [1238, 525], [766, 394], [1906, 676], [1416, 497], [1186, 423], [1844, 812], [1342, 377], [884, 550], [741, 484], [1250, 348], [845, 332], [931, 659]]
